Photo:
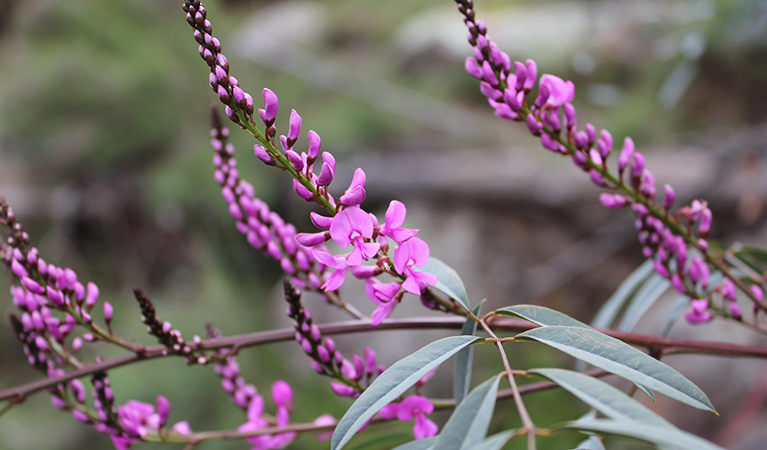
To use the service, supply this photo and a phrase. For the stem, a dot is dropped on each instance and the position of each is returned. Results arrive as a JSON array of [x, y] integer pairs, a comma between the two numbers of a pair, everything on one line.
[[527, 422], [19, 393]]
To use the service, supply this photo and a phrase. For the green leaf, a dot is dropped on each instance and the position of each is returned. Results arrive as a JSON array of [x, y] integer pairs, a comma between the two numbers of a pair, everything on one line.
[[448, 281], [421, 444], [621, 359], [647, 392], [592, 443], [540, 315], [675, 312], [625, 292], [601, 396], [463, 361], [494, 442], [394, 382], [643, 300], [469, 422], [656, 434]]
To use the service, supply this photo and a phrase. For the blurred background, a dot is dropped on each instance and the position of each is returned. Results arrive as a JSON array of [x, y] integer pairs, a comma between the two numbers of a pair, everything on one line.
[[105, 158]]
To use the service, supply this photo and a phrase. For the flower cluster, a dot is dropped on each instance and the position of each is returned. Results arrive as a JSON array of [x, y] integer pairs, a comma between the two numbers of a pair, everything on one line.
[[54, 304], [348, 224], [283, 398], [354, 376], [667, 238], [326, 359], [138, 420], [225, 86], [265, 230], [168, 336]]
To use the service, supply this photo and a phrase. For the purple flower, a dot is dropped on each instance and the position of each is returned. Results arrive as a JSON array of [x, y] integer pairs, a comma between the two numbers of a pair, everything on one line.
[[271, 104], [138, 418], [339, 263], [355, 194], [383, 295], [473, 68], [282, 395], [352, 226], [612, 201], [323, 420], [417, 406], [395, 217], [413, 253], [294, 127], [698, 312], [560, 91]]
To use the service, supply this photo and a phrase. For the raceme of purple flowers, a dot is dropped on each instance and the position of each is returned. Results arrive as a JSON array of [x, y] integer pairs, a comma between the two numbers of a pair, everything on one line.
[[304, 255], [349, 225], [666, 237]]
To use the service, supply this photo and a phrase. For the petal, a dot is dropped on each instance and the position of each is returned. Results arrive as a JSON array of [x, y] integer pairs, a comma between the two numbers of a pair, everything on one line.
[[355, 257], [369, 249], [359, 220], [389, 411], [358, 179], [353, 196], [411, 285], [341, 229], [335, 281], [419, 251], [395, 214], [255, 409], [424, 427], [282, 394], [400, 235], [381, 313], [319, 221]]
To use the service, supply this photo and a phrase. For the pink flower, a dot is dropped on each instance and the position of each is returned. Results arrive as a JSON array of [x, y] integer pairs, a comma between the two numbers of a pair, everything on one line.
[[338, 277], [323, 420], [352, 226], [417, 406], [355, 194], [698, 312], [413, 253], [383, 295], [560, 91], [395, 217], [138, 418], [282, 394]]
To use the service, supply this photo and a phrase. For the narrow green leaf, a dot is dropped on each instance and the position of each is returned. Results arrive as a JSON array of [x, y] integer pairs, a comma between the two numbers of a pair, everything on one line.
[[448, 281], [621, 359], [675, 312], [592, 443], [540, 315], [601, 396], [625, 292], [469, 422], [464, 358], [494, 442], [655, 434], [648, 294], [648, 392], [394, 382], [421, 444]]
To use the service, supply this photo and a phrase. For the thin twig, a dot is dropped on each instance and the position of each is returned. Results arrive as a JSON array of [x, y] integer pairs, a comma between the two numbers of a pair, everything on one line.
[[19, 393], [527, 422]]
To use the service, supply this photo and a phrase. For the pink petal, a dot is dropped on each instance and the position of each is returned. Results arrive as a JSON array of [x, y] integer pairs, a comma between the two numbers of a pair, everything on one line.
[[395, 214], [424, 427], [341, 229], [282, 394], [335, 281]]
